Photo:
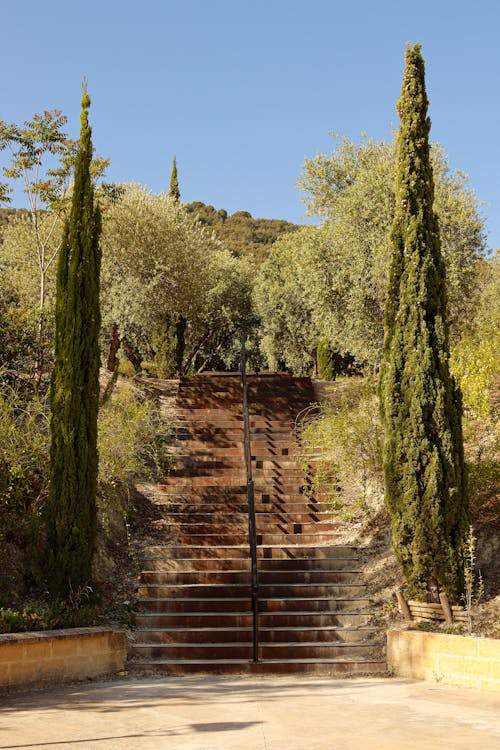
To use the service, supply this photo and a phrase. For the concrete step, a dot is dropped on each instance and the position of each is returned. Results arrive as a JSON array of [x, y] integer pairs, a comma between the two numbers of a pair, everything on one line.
[[194, 635], [222, 477], [217, 591], [300, 619], [213, 540], [313, 634], [297, 590], [239, 525], [336, 605], [299, 552], [198, 577], [207, 605], [181, 551], [322, 650], [200, 451], [272, 651], [307, 577], [267, 592], [308, 566], [235, 526], [319, 667], [284, 540], [193, 516], [266, 635], [213, 620], [193, 651], [186, 565], [207, 463], [201, 493]]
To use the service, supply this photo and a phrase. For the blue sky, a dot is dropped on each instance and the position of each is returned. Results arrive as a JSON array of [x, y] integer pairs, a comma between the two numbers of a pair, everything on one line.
[[242, 92]]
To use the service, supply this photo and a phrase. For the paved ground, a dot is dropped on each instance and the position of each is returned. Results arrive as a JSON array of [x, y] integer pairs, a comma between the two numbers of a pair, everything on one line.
[[206, 713]]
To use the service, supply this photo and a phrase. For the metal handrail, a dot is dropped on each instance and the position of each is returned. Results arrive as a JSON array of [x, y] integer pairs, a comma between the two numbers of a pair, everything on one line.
[[252, 532]]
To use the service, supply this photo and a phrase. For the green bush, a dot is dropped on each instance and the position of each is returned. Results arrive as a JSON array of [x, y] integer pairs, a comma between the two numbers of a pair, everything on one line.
[[24, 449], [132, 437], [54, 616], [342, 448]]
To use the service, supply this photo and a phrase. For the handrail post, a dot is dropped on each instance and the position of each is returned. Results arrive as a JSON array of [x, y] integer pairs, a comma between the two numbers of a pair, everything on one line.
[[252, 531]]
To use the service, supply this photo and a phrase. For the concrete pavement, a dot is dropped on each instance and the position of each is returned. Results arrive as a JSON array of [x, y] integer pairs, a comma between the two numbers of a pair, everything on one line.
[[233, 713]]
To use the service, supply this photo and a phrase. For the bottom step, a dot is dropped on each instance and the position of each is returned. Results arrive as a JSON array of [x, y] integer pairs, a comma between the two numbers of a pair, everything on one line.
[[326, 667]]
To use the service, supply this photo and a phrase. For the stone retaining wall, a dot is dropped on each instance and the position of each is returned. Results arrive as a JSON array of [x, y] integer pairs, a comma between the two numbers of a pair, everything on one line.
[[453, 659], [60, 655]]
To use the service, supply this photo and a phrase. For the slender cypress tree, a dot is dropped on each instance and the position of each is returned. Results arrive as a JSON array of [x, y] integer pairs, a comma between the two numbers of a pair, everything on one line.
[[173, 191], [421, 408], [74, 392], [172, 342]]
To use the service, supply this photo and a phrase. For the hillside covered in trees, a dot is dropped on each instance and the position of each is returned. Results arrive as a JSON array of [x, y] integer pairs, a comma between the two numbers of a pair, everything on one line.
[[240, 232]]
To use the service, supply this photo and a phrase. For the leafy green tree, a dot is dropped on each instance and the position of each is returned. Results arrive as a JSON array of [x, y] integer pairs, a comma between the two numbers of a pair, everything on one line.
[[74, 393], [352, 190], [174, 192], [284, 303], [421, 408], [42, 158], [161, 266]]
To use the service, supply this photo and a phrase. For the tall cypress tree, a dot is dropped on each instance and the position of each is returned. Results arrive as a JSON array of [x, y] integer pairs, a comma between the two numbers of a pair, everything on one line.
[[173, 191], [74, 392], [171, 342], [421, 408]]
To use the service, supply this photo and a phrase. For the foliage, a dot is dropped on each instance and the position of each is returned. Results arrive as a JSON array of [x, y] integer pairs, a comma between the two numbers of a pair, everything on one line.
[[475, 359], [421, 409], [346, 260], [74, 392], [325, 361], [18, 342], [56, 615], [289, 333], [240, 232], [19, 262], [132, 438], [159, 263], [169, 345], [24, 450], [43, 159], [342, 445], [482, 453]]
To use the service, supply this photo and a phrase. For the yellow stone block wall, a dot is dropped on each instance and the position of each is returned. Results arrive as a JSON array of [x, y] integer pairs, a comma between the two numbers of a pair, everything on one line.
[[60, 655], [453, 659]]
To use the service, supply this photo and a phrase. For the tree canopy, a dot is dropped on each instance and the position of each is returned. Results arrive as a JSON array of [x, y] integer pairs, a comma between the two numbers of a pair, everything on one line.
[[342, 265], [157, 261]]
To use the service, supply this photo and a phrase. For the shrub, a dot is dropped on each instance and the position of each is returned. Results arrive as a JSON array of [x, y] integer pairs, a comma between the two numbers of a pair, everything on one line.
[[132, 437], [345, 444], [56, 615], [24, 448]]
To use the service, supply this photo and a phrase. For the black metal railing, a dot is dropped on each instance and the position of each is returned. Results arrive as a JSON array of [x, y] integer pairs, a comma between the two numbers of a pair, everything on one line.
[[252, 531]]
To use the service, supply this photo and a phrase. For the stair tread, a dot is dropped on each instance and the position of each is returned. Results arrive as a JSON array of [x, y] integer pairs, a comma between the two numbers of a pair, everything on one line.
[[310, 660]]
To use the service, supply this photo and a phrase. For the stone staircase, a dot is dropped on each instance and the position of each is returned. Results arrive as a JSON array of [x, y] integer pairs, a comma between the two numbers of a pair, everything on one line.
[[194, 598]]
